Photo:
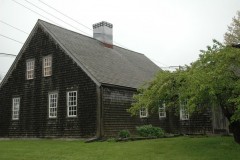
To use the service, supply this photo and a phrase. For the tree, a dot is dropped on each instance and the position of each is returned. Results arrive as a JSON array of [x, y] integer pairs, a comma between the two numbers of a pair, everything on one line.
[[233, 34], [212, 80]]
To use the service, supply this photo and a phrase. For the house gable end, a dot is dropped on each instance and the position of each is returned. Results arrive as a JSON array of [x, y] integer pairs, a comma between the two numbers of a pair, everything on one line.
[[66, 76], [33, 32]]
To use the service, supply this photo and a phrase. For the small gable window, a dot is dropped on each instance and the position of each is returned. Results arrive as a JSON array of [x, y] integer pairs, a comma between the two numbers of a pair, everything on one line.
[[143, 112], [30, 69], [72, 103], [184, 114], [15, 108], [47, 66], [162, 110], [53, 102]]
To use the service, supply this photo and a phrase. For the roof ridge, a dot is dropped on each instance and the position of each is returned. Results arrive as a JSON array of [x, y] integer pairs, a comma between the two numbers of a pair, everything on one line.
[[88, 36], [64, 28]]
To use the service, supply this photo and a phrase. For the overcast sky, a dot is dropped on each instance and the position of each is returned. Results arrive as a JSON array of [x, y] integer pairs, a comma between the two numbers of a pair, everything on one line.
[[169, 32]]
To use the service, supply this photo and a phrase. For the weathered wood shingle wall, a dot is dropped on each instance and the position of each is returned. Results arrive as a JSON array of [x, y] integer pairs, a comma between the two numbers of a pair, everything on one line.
[[199, 123], [66, 76], [117, 100]]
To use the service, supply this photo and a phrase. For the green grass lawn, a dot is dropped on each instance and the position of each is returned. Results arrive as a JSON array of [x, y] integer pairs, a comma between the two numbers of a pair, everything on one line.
[[180, 148]]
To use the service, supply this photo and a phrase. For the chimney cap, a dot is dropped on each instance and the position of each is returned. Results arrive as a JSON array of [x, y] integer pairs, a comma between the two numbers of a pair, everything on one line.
[[103, 23]]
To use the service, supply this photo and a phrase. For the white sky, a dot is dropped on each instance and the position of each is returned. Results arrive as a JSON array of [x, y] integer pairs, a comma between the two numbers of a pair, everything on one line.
[[169, 32]]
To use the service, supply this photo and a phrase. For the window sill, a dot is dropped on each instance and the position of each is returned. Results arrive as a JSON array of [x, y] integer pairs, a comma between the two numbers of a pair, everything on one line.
[[144, 117], [47, 76], [71, 116], [52, 117], [162, 117]]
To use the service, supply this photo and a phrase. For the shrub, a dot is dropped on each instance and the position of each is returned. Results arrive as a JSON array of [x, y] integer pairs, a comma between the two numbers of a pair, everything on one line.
[[150, 131], [111, 139], [124, 134]]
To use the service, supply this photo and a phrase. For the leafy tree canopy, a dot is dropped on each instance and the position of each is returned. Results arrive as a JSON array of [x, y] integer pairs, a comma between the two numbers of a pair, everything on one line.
[[233, 34], [212, 80]]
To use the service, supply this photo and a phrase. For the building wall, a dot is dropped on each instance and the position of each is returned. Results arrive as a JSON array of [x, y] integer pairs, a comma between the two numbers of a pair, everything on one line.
[[116, 101], [199, 123], [66, 76]]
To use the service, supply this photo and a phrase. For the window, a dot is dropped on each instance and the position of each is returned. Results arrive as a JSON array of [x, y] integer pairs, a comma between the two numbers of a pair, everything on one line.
[[47, 66], [53, 102], [15, 108], [30, 69], [184, 114], [72, 103], [143, 112], [162, 111]]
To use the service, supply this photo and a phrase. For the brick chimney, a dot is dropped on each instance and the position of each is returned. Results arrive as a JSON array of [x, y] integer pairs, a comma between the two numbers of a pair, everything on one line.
[[102, 31]]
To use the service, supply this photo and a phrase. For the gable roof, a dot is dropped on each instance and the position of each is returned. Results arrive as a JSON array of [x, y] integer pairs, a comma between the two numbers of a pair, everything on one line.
[[114, 66]]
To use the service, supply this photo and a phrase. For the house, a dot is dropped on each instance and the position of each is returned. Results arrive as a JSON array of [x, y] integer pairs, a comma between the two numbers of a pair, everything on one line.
[[65, 84]]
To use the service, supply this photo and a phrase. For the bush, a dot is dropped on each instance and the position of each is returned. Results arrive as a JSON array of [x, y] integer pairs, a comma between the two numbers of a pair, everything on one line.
[[124, 134], [111, 139], [150, 131]]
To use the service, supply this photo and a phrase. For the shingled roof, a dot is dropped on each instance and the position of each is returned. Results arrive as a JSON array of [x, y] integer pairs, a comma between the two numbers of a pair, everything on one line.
[[115, 66]]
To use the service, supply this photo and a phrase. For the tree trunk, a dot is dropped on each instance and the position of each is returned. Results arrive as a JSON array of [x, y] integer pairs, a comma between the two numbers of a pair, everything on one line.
[[235, 128]]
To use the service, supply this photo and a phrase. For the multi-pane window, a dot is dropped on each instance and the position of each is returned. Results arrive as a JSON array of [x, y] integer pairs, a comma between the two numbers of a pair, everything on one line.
[[47, 66], [72, 103], [143, 112], [162, 111], [184, 114], [15, 108], [53, 102], [30, 69]]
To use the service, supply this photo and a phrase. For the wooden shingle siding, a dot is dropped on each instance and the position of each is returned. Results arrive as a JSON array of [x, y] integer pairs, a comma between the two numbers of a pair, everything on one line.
[[199, 123], [116, 101], [66, 75]]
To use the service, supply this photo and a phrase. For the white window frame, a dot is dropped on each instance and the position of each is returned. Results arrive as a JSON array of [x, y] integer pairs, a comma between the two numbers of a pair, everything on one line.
[[162, 110], [184, 114], [47, 66], [143, 112], [52, 104], [15, 108], [72, 104], [30, 65]]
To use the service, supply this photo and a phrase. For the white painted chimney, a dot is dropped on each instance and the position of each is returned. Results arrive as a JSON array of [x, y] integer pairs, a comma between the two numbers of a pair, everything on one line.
[[102, 31]]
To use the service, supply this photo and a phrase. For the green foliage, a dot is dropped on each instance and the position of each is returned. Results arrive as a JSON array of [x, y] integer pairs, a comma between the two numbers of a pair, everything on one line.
[[150, 131], [212, 80], [124, 134], [111, 139], [219, 70], [163, 88], [233, 34]]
